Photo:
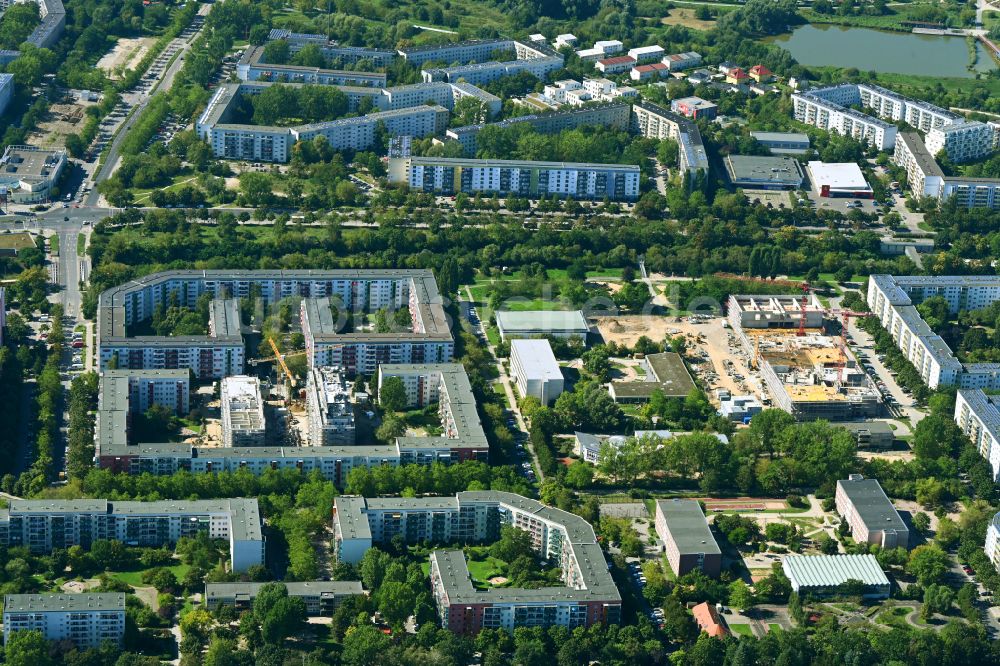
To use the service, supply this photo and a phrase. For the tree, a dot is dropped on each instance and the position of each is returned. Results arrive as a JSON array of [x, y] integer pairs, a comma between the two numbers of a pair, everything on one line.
[[935, 436], [579, 475], [740, 595], [921, 522], [928, 563], [391, 428], [513, 543], [364, 646], [677, 622], [285, 618], [392, 394], [937, 599], [27, 648]]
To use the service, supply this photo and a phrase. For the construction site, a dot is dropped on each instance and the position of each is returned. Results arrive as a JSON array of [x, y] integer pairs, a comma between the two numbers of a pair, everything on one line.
[[798, 349]]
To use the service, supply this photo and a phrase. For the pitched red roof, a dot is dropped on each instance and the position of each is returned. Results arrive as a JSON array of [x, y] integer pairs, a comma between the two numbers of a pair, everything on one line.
[[708, 620], [618, 60], [654, 67], [760, 70], [737, 73]]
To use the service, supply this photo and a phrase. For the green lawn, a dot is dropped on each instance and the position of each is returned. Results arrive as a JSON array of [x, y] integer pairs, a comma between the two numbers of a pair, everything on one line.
[[774, 628], [54, 245], [81, 244], [134, 578], [741, 629], [518, 305]]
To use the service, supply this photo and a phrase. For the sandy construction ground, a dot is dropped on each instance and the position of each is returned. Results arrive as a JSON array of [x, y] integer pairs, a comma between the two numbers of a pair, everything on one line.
[[61, 119], [126, 55]]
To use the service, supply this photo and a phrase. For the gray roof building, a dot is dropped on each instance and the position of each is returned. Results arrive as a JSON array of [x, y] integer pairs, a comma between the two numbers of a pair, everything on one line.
[[526, 323], [754, 171], [824, 574]]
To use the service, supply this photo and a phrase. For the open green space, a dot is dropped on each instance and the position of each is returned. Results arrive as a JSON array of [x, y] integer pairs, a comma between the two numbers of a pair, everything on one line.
[[16, 241], [134, 577], [741, 629]]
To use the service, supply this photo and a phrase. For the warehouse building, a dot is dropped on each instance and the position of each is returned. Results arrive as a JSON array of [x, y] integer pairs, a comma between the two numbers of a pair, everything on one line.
[[535, 370], [242, 411], [532, 323], [44, 525], [329, 408], [86, 620], [665, 372], [321, 597], [783, 143], [825, 575], [764, 173], [873, 519], [448, 175], [687, 538], [978, 415], [842, 179], [589, 595]]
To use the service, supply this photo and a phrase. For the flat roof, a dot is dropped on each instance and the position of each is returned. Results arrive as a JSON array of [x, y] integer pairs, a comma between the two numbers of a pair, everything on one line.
[[29, 162], [838, 175], [872, 505], [469, 163], [780, 137], [215, 591], [41, 603], [687, 526], [694, 102], [764, 170], [542, 320], [537, 359], [833, 570], [670, 371]]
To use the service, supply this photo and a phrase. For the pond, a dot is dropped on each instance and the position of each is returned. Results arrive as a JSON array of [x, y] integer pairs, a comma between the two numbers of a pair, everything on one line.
[[881, 51]]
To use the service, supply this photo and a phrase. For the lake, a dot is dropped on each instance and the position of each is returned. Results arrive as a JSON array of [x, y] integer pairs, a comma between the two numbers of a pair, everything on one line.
[[881, 51]]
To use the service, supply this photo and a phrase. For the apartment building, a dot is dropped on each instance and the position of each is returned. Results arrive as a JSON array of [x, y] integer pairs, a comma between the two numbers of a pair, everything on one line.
[[992, 547], [978, 415], [517, 178], [677, 62], [535, 370], [615, 65], [893, 299], [926, 179], [331, 49], [643, 54], [87, 620], [687, 538], [321, 597], [6, 91], [694, 107], [565, 39], [828, 114], [482, 73], [143, 389], [873, 519], [329, 407], [242, 411], [655, 70], [48, 31], [961, 140], [601, 49], [44, 525], [273, 144], [221, 353], [564, 539], [469, 51], [614, 115], [252, 68], [655, 122]]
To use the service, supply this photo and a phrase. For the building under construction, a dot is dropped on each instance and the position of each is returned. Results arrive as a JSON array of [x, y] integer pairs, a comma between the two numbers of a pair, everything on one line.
[[808, 373]]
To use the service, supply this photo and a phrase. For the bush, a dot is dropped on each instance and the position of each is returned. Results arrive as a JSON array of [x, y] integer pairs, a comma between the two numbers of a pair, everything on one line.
[[796, 502]]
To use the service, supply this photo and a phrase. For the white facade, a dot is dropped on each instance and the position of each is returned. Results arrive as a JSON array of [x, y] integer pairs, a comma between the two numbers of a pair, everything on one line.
[[676, 62], [535, 370], [979, 418], [87, 620], [961, 141], [328, 403], [242, 411], [646, 53], [565, 39], [831, 116], [993, 541]]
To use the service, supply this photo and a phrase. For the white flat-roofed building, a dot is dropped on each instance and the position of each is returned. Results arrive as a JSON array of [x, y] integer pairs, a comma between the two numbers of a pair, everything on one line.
[[526, 324], [516, 178], [993, 541], [44, 525], [646, 53], [29, 173], [484, 72], [978, 415], [535, 370], [783, 143], [653, 70], [321, 597], [565, 39], [242, 411], [961, 141], [600, 50], [839, 179], [655, 122], [821, 575], [87, 620], [328, 403]]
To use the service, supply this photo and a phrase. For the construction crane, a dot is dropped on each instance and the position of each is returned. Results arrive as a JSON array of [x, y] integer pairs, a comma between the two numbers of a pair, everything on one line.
[[845, 317], [806, 290]]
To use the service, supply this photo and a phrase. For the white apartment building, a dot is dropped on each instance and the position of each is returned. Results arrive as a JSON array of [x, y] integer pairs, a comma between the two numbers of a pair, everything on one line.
[[242, 411], [43, 525], [962, 141], [677, 62], [831, 116], [165, 388], [329, 407], [600, 50], [565, 39], [534, 368], [926, 179], [482, 73], [87, 620], [893, 298], [978, 415], [993, 541], [557, 91], [646, 53], [655, 122]]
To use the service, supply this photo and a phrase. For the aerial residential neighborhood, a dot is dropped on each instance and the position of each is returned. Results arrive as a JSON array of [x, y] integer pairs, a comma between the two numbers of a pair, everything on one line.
[[373, 333]]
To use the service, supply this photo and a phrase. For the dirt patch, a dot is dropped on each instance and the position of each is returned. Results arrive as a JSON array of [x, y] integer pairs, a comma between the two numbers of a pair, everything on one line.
[[498, 580], [78, 586], [611, 286], [124, 56], [627, 329], [686, 18], [60, 120]]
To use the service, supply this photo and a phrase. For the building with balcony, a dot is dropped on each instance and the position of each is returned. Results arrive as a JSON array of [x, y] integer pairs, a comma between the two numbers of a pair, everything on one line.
[[87, 620]]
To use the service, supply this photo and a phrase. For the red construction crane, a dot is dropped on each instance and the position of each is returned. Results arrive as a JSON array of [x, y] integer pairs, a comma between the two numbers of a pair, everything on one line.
[[805, 304]]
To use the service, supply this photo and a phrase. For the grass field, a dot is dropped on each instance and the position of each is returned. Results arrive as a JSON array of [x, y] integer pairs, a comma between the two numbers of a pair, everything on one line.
[[912, 83], [134, 578], [741, 629], [54, 245], [16, 241]]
